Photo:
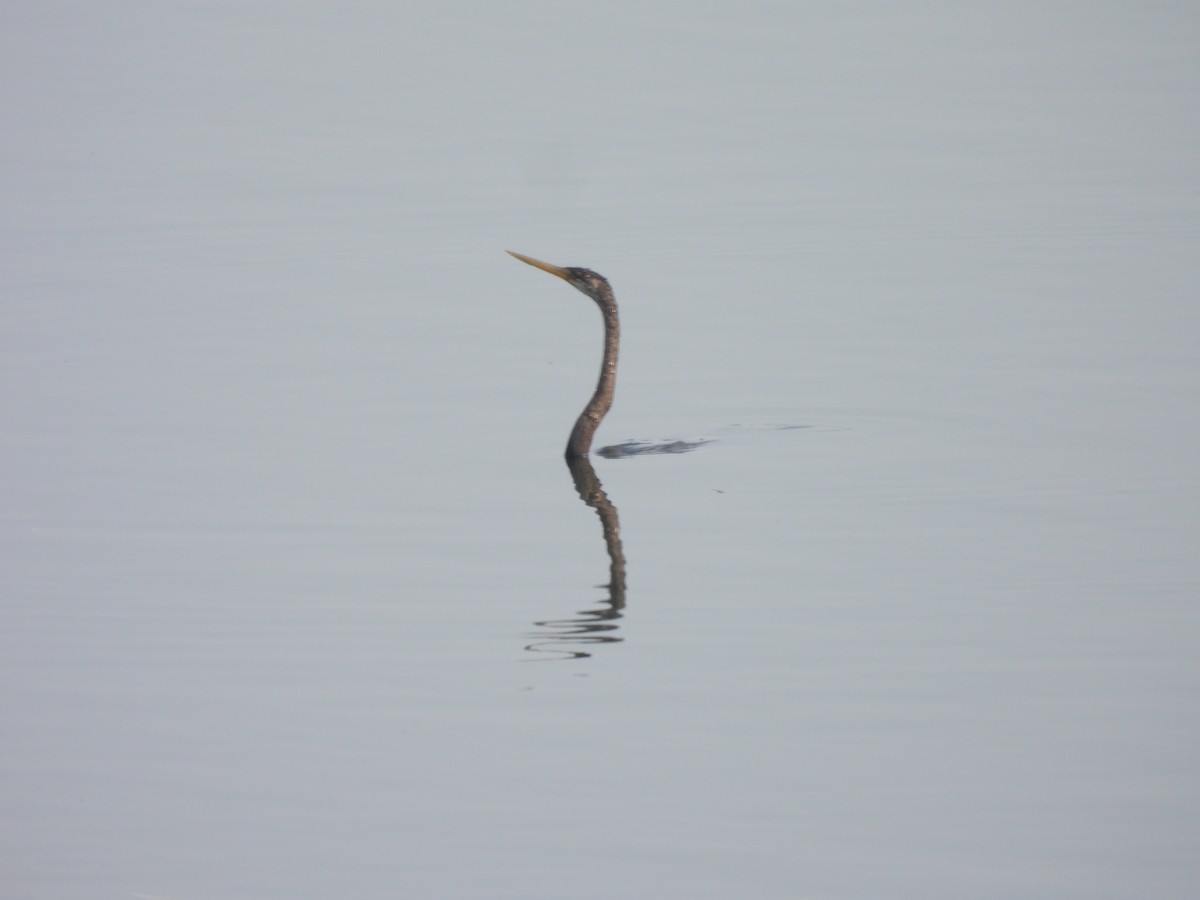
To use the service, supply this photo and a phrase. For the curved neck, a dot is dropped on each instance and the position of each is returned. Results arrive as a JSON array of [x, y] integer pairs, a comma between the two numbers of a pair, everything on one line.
[[589, 420]]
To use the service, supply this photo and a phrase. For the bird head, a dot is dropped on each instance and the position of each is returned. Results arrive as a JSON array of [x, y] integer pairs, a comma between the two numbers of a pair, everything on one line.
[[591, 283]]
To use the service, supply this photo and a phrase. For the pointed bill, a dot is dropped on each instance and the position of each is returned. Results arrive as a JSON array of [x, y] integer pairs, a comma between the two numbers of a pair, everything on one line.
[[544, 266]]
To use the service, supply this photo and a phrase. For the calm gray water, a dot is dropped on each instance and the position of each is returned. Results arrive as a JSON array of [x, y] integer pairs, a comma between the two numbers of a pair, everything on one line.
[[301, 601]]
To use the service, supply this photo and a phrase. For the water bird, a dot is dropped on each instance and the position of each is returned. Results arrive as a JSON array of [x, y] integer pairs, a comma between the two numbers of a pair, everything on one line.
[[597, 287]]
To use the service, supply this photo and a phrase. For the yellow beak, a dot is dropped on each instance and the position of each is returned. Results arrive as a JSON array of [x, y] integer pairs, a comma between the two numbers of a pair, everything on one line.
[[544, 266]]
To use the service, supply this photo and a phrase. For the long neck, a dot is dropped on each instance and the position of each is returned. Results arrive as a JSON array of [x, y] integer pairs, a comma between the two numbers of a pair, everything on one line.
[[589, 420]]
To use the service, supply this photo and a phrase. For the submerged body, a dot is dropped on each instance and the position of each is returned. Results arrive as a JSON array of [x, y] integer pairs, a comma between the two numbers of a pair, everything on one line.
[[597, 287]]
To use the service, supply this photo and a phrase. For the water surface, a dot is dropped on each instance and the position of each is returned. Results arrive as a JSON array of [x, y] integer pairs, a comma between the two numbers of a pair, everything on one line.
[[301, 600]]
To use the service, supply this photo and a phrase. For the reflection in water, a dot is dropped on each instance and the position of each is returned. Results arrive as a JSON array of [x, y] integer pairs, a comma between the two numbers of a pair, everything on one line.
[[563, 638]]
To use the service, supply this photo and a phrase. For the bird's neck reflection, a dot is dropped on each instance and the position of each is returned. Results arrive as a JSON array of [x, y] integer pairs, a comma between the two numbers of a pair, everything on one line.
[[566, 638]]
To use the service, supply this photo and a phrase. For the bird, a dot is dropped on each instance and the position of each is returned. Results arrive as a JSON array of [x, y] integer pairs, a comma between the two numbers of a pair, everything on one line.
[[596, 286]]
